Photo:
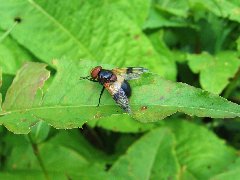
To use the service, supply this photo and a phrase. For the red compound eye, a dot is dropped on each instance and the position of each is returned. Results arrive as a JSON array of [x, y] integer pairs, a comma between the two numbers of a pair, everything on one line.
[[95, 71]]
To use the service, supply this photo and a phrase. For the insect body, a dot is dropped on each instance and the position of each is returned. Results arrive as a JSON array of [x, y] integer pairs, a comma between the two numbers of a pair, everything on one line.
[[115, 81]]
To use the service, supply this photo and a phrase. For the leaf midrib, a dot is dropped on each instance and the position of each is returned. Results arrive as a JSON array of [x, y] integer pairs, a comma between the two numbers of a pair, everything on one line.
[[79, 106], [40, 9]]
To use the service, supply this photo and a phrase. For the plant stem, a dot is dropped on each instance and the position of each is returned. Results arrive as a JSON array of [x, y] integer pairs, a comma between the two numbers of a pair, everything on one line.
[[37, 154], [232, 85]]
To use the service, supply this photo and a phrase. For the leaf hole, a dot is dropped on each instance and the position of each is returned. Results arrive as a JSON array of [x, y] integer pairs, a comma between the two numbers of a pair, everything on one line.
[[18, 19]]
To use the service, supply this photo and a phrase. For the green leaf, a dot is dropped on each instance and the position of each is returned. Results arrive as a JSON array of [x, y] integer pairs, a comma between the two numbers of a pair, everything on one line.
[[74, 101], [156, 150], [24, 93], [199, 151], [83, 30], [215, 71], [12, 55]]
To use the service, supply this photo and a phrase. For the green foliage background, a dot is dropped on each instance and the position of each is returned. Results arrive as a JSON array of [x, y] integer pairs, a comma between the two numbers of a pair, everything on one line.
[[176, 131]]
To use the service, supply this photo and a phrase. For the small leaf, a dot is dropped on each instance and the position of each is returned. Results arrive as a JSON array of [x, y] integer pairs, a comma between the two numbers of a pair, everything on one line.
[[215, 71]]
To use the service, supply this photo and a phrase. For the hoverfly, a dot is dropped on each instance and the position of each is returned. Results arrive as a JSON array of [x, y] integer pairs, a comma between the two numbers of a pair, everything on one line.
[[116, 82]]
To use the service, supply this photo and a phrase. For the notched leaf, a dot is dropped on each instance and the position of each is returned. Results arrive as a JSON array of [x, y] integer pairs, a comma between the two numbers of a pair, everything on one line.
[[22, 95]]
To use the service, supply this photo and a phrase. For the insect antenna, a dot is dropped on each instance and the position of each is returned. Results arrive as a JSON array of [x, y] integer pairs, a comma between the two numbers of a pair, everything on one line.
[[86, 77], [89, 78]]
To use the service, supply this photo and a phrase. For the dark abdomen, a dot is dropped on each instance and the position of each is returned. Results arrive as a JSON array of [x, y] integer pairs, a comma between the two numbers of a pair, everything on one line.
[[126, 88]]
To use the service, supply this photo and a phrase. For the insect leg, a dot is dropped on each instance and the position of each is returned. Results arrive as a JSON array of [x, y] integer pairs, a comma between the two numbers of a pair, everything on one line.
[[100, 96]]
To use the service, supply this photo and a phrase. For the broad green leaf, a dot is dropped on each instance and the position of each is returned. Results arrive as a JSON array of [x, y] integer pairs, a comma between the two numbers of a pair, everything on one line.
[[150, 157], [215, 71], [83, 30], [199, 151], [74, 101], [12, 55]]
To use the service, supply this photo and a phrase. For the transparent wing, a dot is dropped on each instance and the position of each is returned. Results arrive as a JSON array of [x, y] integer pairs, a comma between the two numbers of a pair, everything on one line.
[[130, 73], [118, 95]]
